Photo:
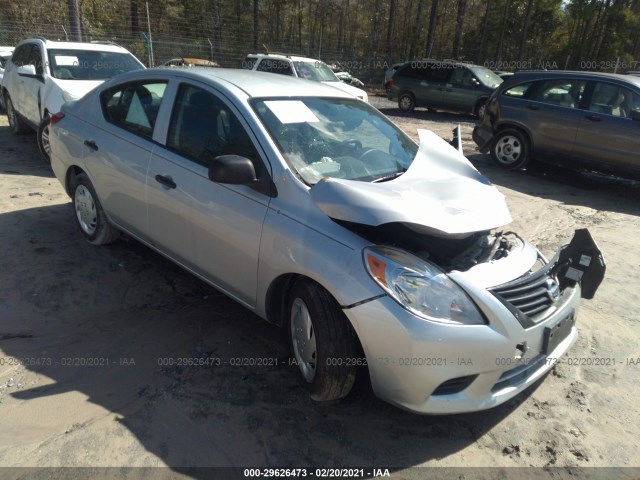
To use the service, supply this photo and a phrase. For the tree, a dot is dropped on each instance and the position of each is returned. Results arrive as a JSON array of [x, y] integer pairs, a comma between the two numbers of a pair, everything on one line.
[[74, 21], [457, 41]]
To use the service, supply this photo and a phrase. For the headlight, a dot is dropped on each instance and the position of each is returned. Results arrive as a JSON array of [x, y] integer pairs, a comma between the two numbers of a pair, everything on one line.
[[420, 287]]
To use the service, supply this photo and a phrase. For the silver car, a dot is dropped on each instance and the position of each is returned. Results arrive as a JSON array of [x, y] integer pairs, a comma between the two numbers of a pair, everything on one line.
[[317, 213]]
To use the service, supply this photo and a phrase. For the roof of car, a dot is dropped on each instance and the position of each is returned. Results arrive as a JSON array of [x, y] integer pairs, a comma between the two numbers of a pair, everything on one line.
[[252, 83], [539, 74], [63, 45], [294, 58]]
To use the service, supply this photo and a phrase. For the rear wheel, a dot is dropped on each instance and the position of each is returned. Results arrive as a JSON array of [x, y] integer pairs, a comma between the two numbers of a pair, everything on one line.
[[43, 139], [17, 125], [91, 217], [322, 342], [406, 102], [510, 149]]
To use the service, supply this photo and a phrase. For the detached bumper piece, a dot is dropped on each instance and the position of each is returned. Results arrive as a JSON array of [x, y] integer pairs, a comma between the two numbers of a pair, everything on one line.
[[581, 262], [530, 297]]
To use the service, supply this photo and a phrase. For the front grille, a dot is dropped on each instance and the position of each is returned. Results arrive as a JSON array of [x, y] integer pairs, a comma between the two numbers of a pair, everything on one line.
[[530, 296], [455, 385]]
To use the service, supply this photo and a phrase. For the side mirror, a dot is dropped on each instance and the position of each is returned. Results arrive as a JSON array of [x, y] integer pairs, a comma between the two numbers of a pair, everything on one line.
[[27, 70], [233, 170], [635, 115]]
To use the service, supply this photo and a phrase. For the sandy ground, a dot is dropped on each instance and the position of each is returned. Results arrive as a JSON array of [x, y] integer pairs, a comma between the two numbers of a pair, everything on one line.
[[87, 335]]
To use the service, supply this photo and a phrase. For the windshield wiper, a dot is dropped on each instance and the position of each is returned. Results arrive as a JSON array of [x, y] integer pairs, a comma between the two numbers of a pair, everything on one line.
[[388, 177]]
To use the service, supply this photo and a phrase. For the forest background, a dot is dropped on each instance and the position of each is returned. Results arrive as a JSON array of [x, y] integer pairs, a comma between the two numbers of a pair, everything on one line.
[[365, 36]]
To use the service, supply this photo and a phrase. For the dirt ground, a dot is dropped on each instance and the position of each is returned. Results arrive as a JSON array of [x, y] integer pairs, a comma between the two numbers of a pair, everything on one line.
[[89, 339]]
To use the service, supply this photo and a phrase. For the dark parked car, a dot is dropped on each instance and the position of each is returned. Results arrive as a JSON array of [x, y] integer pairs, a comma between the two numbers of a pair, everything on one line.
[[456, 86], [581, 119]]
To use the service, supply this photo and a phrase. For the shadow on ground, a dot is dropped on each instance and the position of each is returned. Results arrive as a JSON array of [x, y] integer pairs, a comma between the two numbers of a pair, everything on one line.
[[132, 315]]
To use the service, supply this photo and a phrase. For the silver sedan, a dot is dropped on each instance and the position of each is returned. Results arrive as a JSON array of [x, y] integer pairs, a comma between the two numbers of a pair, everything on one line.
[[313, 210]]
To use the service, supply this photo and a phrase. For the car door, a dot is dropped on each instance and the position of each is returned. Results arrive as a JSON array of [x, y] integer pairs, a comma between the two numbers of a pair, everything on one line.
[[31, 87], [117, 151], [433, 83], [550, 112], [211, 228], [461, 92], [608, 138]]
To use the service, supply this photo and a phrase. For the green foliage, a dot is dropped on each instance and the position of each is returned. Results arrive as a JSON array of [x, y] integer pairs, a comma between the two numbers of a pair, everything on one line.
[[366, 35]]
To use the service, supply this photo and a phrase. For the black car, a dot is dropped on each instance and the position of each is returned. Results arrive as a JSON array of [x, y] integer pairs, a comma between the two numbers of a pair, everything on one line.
[[580, 119]]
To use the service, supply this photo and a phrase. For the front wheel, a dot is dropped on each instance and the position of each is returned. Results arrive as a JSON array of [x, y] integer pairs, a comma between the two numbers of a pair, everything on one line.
[[43, 139], [510, 149], [91, 218], [406, 102], [322, 342]]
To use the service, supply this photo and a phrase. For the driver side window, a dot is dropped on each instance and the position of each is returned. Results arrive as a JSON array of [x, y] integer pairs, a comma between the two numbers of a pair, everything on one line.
[[202, 127]]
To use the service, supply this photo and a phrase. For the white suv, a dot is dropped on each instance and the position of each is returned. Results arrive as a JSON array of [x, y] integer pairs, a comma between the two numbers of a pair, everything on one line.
[[42, 75], [301, 67]]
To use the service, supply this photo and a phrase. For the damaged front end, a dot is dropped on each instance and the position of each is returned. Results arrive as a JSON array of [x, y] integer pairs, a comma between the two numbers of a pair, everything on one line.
[[445, 213]]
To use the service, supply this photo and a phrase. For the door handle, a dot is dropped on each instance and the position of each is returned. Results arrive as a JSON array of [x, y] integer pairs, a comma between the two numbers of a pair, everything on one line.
[[533, 107], [166, 181], [593, 118], [91, 144]]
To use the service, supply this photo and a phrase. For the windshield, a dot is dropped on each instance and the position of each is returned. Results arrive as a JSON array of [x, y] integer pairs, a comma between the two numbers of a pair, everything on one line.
[[317, 71], [90, 64], [336, 137], [486, 76]]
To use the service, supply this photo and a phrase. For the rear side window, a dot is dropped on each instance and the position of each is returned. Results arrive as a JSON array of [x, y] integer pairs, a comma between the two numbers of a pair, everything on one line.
[[412, 70], [613, 100], [439, 72], [133, 106], [275, 66]]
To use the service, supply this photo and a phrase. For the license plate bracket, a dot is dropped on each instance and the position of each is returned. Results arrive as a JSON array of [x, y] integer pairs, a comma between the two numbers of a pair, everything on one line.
[[552, 336]]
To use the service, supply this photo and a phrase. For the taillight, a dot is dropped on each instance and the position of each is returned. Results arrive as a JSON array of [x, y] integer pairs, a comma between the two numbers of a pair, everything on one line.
[[392, 82], [56, 118]]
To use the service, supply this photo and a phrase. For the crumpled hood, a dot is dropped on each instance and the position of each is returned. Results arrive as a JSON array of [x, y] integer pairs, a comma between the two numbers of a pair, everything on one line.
[[441, 192]]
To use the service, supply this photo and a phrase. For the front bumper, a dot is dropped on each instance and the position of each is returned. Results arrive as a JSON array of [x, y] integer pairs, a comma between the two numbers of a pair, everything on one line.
[[435, 368], [483, 135]]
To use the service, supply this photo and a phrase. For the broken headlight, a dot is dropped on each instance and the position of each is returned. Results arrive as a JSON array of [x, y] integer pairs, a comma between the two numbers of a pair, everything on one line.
[[420, 287]]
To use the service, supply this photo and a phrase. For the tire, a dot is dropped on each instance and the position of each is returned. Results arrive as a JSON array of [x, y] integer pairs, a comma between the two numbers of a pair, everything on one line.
[[322, 342], [91, 218], [17, 125], [406, 102], [43, 139], [510, 149]]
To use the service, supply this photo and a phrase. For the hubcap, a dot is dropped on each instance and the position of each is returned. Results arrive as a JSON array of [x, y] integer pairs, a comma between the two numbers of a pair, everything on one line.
[[44, 139], [406, 103], [86, 210], [508, 150], [303, 339]]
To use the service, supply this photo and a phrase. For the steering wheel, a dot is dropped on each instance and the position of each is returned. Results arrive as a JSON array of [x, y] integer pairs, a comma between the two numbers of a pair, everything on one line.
[[350, 144]]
